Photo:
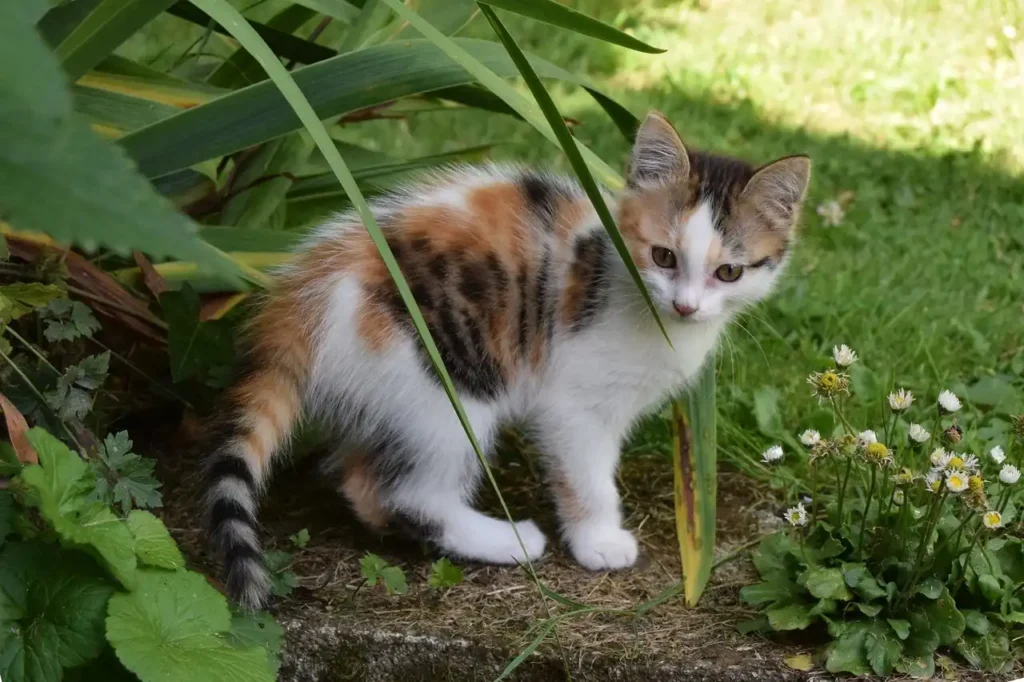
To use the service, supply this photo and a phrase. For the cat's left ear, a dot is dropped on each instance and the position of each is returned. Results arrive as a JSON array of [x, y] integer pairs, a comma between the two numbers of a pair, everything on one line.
[[778, 189], [659, 156]]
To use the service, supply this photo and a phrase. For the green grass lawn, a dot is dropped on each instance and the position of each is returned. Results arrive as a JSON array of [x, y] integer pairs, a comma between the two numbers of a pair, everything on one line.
[[913, 114]]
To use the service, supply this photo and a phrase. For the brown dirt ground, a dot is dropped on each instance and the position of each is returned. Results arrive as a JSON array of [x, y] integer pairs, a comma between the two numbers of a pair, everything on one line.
[[339, 630]]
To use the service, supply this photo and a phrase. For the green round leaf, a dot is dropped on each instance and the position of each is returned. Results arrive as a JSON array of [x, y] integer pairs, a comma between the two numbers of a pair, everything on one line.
[[154, 546], [827, 583], [52, 604], [790, 617], [944, 618], [172, 627]]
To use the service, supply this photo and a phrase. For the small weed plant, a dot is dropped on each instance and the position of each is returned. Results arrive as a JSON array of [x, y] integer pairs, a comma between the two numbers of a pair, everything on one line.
[[917, 550]]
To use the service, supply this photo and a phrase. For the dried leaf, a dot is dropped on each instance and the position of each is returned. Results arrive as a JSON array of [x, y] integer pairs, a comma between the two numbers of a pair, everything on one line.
[[17, 428], [150, 277]]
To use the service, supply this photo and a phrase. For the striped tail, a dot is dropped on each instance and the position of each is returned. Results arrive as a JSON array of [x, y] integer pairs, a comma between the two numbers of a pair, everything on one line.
[[264, 407]]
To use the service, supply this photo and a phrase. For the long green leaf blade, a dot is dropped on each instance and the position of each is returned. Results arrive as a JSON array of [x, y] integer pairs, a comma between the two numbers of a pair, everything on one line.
[[569, 145], [58, 178], [695, 455], [553, 13], [103, 30], [493, 82], [351, 82]]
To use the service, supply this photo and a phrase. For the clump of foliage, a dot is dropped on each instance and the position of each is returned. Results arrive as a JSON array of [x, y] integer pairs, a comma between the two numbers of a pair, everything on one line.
[[81, 582], [914, 553]]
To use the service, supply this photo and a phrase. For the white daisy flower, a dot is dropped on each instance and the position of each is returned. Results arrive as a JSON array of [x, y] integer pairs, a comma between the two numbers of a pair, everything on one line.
[[844, 355], [992, 520], [1009, 474], [901, 400], [933, 481], [810, 438], [797, 516], [940, 458], [866, 438], [971, 463], [997, 455], [831, 213], [918, 433], [772, 454], [957, 481], [948, 402], [898, 497]]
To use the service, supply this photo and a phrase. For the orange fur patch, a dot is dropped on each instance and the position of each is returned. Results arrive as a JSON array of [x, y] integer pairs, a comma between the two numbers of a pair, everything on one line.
[[360, 487]]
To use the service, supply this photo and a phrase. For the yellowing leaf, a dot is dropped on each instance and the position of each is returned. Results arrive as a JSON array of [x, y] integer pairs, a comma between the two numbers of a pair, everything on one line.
[[800, 662]]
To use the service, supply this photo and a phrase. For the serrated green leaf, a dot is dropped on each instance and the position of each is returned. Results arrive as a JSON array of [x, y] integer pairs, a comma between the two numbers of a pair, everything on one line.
[[257, 630], [21, 298], [124, 477], [300, 539], [827, 583], [72, 398], [67, 320], [195, 347], [52, 606], [61, 484], [154, 546], [870, 610], [173, 627], [789, 617], [773, 555], [444, 574], [282, 579], [375, 569]]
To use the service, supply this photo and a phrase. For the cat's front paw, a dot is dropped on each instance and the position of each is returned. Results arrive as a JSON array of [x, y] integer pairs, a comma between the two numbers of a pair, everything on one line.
[[602, 548]]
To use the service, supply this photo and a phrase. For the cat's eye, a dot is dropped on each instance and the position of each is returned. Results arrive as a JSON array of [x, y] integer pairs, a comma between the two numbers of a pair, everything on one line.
[[729, 273], [663, 258]]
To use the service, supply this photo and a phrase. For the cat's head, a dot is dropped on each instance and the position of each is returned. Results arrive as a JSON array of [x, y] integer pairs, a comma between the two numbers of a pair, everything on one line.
[[709, 234]]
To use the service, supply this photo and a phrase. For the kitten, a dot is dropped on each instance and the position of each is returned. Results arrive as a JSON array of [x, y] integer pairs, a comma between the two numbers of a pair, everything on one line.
[[536, 319]]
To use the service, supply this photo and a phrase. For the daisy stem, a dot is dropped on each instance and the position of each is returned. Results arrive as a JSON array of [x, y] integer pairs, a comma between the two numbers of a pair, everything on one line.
[[1004, 500], [967, 563], [842, 417], [867, 510], [933, 514], [814, 492], [842, 489], [956, 535]]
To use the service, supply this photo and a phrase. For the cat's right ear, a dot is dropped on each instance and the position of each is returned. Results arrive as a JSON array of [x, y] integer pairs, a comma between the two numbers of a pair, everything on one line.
[[659, 156]]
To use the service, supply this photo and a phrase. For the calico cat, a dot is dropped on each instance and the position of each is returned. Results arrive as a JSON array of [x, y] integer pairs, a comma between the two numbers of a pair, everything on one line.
[[536, 319]]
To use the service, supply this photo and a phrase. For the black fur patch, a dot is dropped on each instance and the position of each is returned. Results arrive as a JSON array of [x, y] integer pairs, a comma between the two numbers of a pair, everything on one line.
[[591, 254], [542, 196]]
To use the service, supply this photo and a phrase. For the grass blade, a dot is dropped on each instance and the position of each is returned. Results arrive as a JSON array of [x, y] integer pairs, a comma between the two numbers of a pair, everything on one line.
[[552, 13], [282, 43], [569, 145], [351, 82], [103, 30], [694, 461], [525, 108], [228, 17], [240, 69]]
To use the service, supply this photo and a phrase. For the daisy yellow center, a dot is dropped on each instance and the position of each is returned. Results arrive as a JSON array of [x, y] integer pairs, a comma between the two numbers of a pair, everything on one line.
[[829, 381], [976, 483], [993, 519], [877, 451], [956, 462], [935, 485], [957, 482]]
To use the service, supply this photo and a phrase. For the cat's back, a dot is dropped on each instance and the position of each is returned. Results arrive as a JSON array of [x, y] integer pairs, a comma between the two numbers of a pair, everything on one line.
[[491, 255]]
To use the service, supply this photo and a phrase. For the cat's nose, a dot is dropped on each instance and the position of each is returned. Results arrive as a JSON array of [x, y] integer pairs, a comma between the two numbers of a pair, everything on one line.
[[685, 310]]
